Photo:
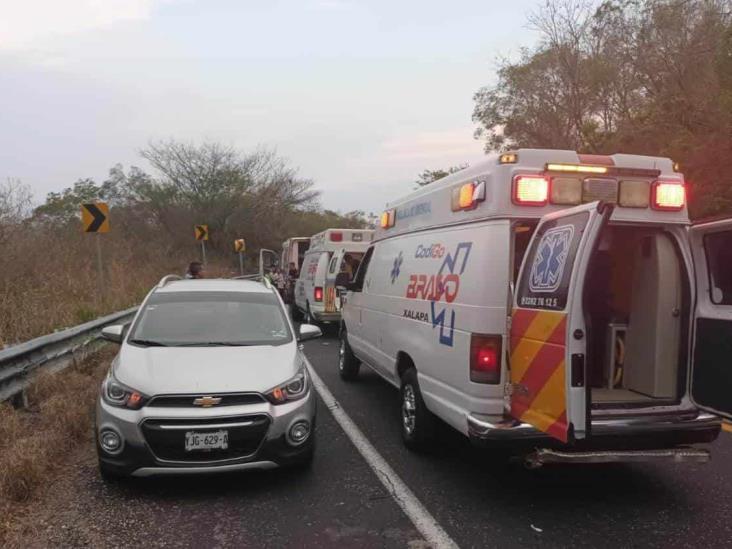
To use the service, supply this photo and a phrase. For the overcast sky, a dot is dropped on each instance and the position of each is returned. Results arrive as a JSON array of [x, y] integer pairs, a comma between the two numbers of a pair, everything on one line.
[[360, 95]]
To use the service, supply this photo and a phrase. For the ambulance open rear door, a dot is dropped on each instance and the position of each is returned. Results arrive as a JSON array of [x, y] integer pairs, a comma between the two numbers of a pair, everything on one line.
[[548, 333], [711, 378]]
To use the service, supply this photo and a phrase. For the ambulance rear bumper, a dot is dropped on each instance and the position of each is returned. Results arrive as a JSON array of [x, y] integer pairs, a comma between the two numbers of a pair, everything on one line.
[[628, 432]]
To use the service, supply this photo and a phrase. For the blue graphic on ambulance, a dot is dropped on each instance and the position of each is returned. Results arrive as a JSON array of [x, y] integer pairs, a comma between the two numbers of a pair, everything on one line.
[[396, 269], [550, 259], [441, 289]]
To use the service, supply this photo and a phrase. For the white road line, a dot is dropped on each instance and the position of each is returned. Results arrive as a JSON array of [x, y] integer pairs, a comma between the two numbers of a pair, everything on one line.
[[420, 517]]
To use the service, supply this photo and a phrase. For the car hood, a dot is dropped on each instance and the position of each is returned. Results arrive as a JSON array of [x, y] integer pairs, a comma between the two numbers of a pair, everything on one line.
[[205, 370]]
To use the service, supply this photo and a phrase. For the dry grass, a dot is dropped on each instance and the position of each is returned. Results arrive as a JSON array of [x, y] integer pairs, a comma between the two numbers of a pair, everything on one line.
[[34, 443], [50, 279]]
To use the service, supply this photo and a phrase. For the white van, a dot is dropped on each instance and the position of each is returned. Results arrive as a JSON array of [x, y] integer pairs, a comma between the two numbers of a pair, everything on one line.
[[314, 298], [554, 299], [293, 251]]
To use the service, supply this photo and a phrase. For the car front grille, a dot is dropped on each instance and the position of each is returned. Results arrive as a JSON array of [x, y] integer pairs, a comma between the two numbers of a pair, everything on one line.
[[166, 437], [186, 401]]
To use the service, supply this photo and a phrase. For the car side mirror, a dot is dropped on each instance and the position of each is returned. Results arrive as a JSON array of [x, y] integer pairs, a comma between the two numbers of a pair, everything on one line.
[[114, 333], [309, 331], [342, 281]]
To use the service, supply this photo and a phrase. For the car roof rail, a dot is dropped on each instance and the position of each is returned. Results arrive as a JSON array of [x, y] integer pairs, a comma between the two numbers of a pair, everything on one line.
[[168, 278]]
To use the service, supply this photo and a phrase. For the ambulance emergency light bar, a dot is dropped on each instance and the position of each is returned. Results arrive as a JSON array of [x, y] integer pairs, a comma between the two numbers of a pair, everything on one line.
[[563, 189]]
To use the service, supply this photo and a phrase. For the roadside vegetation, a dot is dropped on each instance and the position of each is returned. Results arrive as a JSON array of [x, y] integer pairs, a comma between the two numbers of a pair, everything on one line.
[[49, 279], [35, 443]]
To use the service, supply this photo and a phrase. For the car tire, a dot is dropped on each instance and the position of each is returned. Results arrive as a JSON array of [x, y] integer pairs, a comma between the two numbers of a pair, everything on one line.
[[417, 422], [348, 364]]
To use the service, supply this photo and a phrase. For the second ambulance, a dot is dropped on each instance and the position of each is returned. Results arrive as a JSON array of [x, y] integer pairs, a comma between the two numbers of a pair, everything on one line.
[[315, 295], [552, 302]]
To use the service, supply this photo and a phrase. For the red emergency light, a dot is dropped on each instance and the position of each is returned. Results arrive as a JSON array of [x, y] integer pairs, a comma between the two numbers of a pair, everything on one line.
[[336, 237], [668, 196], [530, 190]]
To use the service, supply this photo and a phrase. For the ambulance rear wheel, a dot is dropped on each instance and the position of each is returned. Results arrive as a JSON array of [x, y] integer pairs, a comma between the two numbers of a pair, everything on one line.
[[418, 423], [348, 364]]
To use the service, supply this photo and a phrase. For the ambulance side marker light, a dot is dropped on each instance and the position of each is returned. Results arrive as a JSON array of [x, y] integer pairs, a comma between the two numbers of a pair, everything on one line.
[[467, 196], [388, 218], [508, 158]]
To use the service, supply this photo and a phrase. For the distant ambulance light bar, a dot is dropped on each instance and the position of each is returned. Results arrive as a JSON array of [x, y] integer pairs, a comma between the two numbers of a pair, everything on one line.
[[575, 168], [530, 190], [388, 218], [336, 237]]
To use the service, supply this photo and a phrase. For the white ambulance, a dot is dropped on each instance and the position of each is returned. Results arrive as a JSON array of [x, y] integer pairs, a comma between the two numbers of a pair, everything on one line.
[[330, 252], [553, 302], [293, 251]]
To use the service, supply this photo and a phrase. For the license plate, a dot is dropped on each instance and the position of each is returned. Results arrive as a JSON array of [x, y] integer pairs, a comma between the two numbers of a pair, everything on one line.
[[212, 440]]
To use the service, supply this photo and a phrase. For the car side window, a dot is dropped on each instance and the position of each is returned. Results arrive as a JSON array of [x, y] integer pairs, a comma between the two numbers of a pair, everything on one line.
[[362, 269]]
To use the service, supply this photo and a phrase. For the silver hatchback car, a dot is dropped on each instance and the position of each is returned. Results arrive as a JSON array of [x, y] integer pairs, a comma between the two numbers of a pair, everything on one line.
[[209, 377]]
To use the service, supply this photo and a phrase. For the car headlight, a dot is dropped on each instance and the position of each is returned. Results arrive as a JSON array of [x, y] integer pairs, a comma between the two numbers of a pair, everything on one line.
[[292, 389], [117, 394]]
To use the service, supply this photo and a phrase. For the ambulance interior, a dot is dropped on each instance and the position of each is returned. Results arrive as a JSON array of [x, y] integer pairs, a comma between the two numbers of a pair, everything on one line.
[[636, 303]]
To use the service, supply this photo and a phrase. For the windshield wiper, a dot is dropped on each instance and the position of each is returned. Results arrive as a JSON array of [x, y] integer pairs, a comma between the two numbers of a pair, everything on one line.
[[147, 342]]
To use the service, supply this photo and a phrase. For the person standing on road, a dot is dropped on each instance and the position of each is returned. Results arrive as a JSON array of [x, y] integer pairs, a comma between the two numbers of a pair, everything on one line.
[[279, 281], [195, 270]]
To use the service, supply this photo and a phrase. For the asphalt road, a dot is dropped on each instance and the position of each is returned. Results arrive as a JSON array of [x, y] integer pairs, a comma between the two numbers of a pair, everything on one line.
[[482, 503], [340, 502]]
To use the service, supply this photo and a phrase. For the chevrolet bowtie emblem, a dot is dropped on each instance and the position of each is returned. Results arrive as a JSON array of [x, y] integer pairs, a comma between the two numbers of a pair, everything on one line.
[[207, 401]]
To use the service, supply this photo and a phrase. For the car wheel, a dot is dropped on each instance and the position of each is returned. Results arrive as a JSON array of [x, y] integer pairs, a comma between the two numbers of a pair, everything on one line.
[[418, 423], [348, 364]]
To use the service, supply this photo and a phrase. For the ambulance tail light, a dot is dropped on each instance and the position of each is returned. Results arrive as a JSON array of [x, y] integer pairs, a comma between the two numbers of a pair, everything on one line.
[[668, 196], [485, 358], [530, 190], [318, 294], [336, 237]]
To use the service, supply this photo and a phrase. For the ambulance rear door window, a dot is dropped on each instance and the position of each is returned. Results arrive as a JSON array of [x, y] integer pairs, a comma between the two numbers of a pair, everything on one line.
[[718, 248], [548, 267]]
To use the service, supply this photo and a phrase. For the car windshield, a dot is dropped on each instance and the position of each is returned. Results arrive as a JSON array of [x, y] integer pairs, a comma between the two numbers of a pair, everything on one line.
[[211, 319]]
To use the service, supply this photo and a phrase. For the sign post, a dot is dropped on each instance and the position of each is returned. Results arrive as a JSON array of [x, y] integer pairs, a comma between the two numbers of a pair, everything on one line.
[[95, 219], [240, 246], [201, 233]]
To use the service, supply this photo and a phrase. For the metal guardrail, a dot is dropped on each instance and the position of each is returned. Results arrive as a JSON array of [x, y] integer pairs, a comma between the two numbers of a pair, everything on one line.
[[52, 352]]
